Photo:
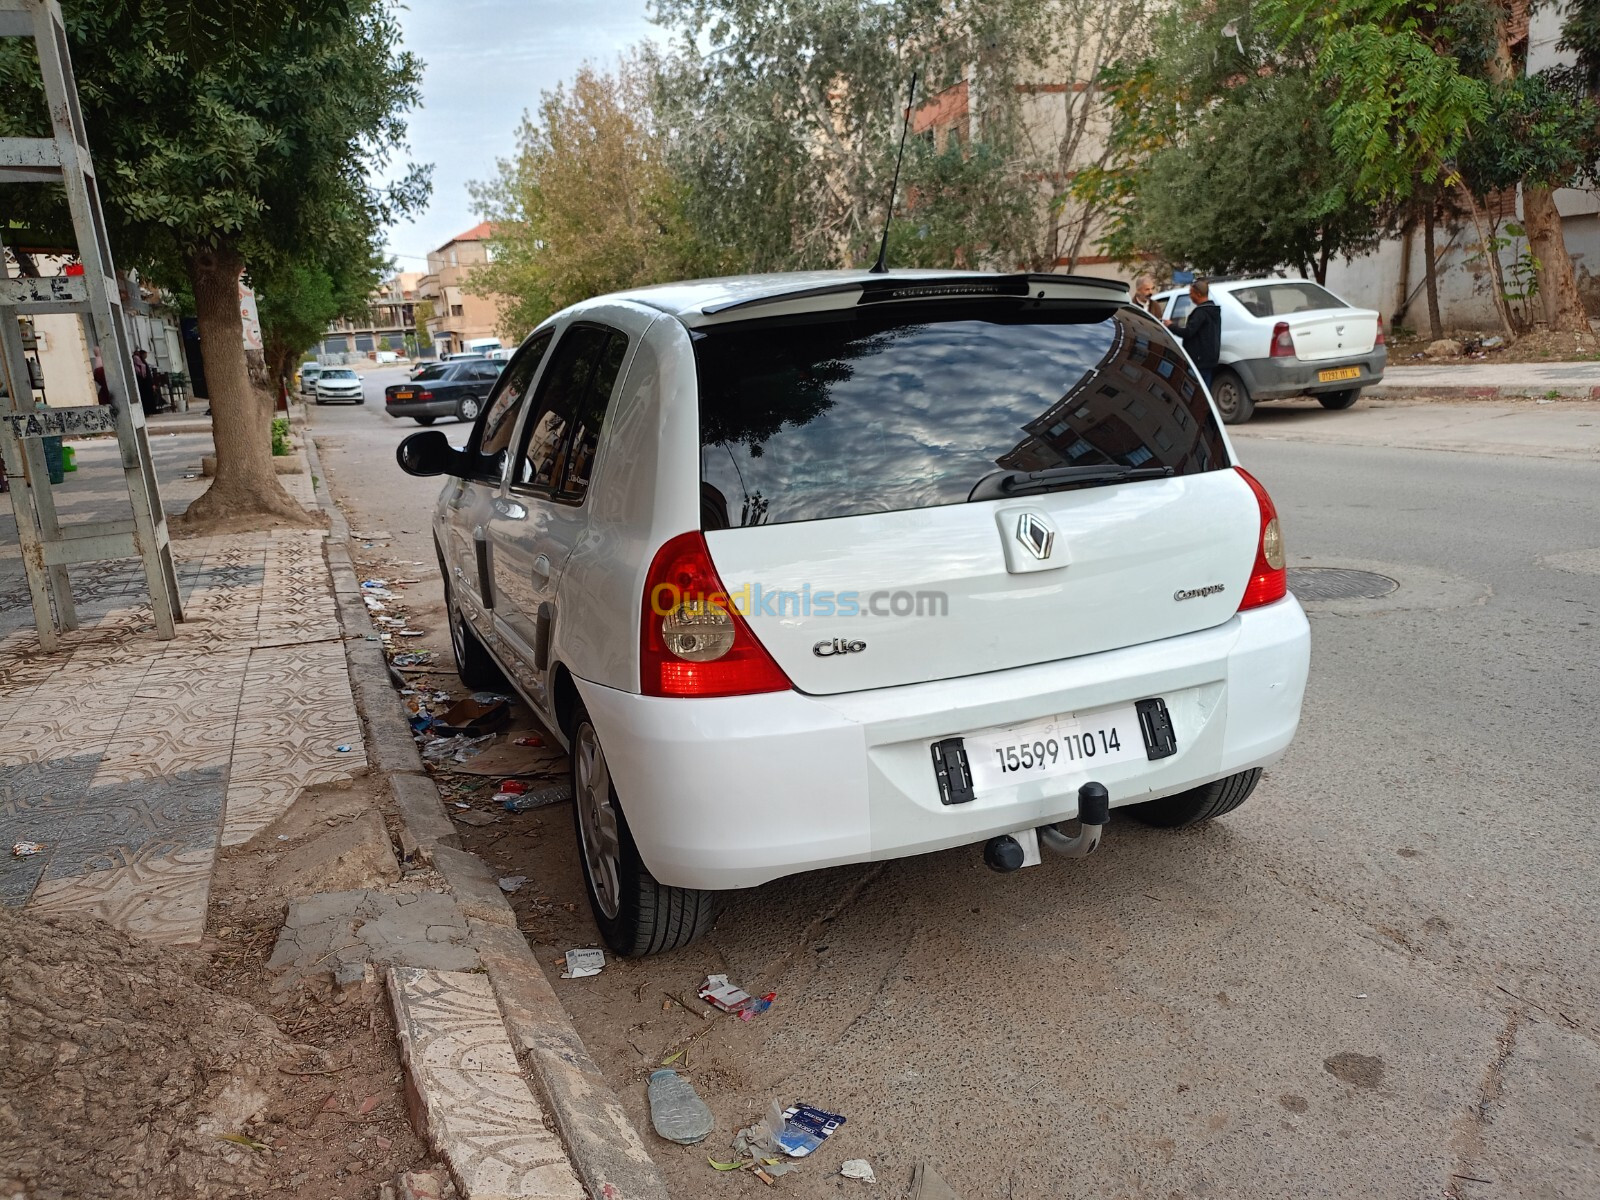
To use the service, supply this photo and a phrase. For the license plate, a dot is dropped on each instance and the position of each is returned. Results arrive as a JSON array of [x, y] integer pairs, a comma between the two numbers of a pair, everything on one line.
[[1069, 744], [1333, 373], [404, 395]]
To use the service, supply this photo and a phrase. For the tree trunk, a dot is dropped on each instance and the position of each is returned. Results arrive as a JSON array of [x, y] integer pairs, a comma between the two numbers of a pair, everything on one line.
[[1558, 282], [1402, 289], [1488, 241], [1430, 267], [246, 485]]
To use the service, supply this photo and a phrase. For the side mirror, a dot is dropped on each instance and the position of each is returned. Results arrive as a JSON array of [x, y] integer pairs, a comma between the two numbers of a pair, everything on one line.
[[428, 453]]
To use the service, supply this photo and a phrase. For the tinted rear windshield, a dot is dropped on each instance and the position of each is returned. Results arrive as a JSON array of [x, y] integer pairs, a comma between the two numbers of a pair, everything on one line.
[[834, 415], [1285, 299]]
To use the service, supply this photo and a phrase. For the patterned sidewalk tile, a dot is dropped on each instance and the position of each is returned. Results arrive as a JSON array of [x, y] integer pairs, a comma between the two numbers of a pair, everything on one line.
[[479, 1112], [162, 898]]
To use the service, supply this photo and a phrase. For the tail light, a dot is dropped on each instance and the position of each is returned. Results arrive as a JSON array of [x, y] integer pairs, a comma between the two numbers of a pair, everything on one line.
[[1269, 579], [424, 395], [1282, 341], [1382, 341], [692, 642]]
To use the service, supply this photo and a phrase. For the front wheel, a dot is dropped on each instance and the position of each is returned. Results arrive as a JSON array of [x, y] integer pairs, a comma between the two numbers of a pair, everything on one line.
[[636, 915], [1339, 401], [467, 410], [1233, 401], [1203, 803]]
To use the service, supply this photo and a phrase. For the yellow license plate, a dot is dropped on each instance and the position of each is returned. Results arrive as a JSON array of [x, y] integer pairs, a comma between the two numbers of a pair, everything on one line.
[[403, 395], [1333, 373]]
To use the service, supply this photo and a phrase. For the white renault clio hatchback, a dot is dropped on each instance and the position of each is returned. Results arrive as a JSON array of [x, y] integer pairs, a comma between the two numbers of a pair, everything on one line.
[[831, 568]]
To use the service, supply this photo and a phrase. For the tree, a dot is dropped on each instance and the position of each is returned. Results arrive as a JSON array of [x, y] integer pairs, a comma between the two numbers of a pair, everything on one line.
[[1220, 152], [227, 141], [421, 314], [587, 205], [785, 133], [297, 299]]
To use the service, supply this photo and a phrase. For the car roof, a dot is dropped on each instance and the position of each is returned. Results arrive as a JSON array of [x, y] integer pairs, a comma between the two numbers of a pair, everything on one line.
[[737, 297]]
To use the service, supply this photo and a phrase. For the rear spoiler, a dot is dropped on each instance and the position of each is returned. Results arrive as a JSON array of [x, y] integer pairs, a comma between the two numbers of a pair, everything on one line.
[[889, 289]]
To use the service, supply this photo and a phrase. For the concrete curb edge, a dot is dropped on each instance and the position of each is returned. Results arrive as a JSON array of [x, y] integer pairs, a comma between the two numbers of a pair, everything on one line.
[[606, 1151], [1457, 391]]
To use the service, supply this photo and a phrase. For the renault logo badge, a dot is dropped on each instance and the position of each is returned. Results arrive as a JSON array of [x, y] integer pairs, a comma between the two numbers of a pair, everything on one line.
[[1034, 532]]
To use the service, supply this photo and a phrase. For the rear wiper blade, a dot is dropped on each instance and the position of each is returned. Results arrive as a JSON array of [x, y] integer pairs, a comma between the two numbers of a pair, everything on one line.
[[1001, 484]]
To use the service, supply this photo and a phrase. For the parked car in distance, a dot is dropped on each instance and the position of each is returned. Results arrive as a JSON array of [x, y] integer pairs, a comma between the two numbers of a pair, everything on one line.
[[339, 384], [456, 388], [308, 377], [839, 567], [1287, 337]]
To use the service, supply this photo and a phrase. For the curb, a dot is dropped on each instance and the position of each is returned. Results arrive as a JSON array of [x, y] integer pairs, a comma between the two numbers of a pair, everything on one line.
[[606, 1151], [1454, 391]]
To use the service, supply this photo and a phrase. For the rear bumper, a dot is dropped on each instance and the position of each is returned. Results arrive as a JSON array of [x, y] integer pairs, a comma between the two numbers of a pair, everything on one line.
[[421, 408], [734, 792], [1275, 378]]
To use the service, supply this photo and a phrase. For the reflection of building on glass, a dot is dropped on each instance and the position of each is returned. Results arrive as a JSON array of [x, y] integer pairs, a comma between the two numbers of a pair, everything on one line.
[[541, 465], [1139, 405]]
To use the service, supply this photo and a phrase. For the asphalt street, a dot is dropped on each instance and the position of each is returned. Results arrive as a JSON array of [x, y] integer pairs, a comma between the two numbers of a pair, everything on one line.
[[1379, 978]]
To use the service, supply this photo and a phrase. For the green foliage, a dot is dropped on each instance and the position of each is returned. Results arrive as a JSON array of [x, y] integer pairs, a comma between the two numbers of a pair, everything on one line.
[[588, 204], [384, 345], [1535, 129], [959, 209], [204, 136], [421, 313], [1222, 151], [280, 436]]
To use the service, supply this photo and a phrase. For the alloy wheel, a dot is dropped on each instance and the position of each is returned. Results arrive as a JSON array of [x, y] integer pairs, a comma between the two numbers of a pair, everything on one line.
[[597, 821]]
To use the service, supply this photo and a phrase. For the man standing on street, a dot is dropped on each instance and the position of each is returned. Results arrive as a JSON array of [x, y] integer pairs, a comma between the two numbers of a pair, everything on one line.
[[1202, 332]]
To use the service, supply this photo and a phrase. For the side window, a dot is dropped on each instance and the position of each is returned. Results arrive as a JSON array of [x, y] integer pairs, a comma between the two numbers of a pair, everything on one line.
[[485, 371], [1181, 304], [492, 438], [544, 440], [590, 416]]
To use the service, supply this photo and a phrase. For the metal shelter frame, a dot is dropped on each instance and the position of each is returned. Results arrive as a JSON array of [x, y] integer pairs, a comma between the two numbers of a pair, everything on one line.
[[49, 547]]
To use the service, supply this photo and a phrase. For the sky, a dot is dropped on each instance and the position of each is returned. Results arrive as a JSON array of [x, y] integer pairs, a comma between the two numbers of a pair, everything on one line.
[[486, 62]]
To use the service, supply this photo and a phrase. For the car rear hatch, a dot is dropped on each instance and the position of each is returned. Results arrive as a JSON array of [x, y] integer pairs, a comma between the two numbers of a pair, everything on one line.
[[841, 461]]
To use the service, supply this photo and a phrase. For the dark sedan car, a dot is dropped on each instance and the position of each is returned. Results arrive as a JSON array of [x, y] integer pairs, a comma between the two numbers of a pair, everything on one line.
[[448, 389]]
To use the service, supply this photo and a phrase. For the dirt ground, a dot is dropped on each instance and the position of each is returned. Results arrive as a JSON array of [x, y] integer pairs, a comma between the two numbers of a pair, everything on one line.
[[1538, 346], [133, 1070]]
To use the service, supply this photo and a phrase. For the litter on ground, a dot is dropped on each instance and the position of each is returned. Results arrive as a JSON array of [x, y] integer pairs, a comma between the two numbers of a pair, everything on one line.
[[26, 849], [676, 1110], [583, 963], [858, 1168], [510, 883]]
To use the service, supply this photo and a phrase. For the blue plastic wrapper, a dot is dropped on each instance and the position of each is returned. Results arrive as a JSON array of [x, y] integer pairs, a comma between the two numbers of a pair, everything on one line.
[[805, 1128]]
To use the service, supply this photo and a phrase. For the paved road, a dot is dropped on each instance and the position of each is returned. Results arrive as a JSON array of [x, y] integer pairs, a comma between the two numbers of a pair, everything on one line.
[[1380, 978], [1535, 377]]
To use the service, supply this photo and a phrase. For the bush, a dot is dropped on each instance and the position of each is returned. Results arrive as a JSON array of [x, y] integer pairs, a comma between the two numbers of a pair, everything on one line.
[[280, 436]]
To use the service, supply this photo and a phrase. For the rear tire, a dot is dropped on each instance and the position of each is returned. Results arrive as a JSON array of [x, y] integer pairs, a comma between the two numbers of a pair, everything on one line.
[[1338, 401], [1233, 401], [474, 665], [468, 408], [423, 420], [1204, 803], [636, 915]]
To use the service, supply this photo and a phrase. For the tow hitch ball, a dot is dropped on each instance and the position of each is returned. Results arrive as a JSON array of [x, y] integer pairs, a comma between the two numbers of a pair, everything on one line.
[[1008, 852]]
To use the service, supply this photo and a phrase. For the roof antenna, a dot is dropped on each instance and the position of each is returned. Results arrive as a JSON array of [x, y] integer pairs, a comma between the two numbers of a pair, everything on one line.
[[881, 267]]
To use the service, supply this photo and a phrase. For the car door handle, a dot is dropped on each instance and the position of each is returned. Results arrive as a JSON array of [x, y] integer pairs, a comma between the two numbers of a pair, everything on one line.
[[541, 568]]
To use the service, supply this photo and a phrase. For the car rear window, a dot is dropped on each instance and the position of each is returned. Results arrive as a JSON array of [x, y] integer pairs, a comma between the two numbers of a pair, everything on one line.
[[1285, 299], [835, 415]]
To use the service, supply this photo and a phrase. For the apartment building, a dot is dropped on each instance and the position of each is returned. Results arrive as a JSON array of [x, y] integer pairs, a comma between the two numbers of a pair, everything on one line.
[[458, 315], [391, 317]]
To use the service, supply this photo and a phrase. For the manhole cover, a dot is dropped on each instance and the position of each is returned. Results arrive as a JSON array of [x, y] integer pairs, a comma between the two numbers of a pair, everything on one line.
[[1337, 583]]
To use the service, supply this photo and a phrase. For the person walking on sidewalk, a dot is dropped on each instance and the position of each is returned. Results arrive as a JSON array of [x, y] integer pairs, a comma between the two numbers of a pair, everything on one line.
[[1202, 332]]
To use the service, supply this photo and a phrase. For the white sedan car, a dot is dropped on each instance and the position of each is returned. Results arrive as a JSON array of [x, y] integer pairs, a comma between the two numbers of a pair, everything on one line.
[[832, 568], [1287, 337], [339, 384]]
